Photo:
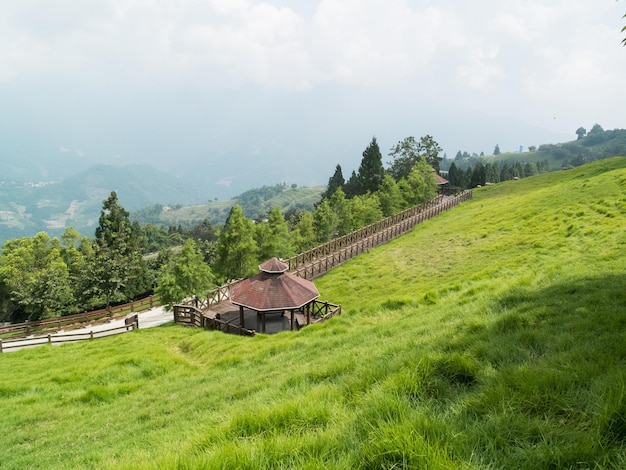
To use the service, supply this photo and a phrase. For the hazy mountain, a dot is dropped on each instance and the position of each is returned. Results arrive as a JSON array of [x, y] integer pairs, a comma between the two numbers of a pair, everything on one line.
[[29, 207]]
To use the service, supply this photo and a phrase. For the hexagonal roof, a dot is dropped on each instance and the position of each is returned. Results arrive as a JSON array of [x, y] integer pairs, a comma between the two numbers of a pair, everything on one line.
[[273, 289]]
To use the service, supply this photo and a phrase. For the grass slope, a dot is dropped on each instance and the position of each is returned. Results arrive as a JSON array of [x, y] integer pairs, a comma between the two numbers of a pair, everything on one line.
[[493, 336], [217, 211]]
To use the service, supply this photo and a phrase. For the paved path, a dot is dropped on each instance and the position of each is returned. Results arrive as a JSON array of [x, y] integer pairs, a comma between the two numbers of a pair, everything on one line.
[[148, 319]]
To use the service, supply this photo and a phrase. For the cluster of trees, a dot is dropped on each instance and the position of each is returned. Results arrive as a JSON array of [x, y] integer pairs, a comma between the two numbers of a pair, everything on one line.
[[42, 277], [482, 172], [589, 146], [370, 194]]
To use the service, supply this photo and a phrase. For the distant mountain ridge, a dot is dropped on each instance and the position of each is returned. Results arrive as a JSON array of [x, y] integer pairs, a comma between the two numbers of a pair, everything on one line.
[[30, 207]]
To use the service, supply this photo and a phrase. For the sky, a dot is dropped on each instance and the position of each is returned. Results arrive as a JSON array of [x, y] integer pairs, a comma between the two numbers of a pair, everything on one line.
[[240, 93]]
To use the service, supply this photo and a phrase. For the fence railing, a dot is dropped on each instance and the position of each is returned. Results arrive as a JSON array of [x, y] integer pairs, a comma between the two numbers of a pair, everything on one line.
[[190, 315], [130, 323], [27, 328], [321, 259]]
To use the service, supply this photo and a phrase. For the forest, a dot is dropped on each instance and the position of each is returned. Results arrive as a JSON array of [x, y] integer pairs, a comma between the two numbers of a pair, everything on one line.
[[43, 276]]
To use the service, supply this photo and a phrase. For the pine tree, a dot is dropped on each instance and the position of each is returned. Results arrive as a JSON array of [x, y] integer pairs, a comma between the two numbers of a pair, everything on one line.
[[276, 241], [335, 182], [371, 171], [118, 270], [236, 247], [352, 186]]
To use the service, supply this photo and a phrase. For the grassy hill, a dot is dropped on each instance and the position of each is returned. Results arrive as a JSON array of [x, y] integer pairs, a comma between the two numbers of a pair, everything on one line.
[[256, 203], [493, 336]]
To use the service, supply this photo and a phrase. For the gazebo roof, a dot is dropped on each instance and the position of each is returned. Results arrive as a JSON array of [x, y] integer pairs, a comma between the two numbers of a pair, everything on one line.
[[274, 265], [440, 180], [273, 289]]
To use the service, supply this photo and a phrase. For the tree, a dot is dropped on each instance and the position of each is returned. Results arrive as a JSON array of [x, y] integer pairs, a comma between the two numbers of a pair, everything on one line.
[[366, 209], [430, 149], [352, 186], [343, 215], [118, 269], [496, 150], [371, 170], [580, 132], [236, 247], [324, 222], [36, 278], [478, 175], [335, 182], [390, 197], [421, 185], [405, 155], [184, 275], [303, 234], [456, 177], [276, 241]]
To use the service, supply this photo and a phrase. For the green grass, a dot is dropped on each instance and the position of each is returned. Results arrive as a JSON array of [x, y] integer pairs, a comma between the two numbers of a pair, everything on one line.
[[493, 336]]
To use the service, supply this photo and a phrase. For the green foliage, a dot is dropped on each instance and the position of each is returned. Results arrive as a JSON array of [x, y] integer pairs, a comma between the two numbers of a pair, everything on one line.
[[420, 186], [334, 182], [390, 197], [303, 234], [237, 251], [274, 238], [342, 213], [184, 275], [324, 222], [519, 362], [36, 278], [119, 271], [371, 171]]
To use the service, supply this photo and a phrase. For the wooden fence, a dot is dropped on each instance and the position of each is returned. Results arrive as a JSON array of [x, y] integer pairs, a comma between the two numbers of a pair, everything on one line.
[[131, 323], [192, 316], [27, 328], [321, 259]]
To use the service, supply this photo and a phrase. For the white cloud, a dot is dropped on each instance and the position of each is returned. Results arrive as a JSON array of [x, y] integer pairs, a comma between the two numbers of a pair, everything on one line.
[[530, 56]]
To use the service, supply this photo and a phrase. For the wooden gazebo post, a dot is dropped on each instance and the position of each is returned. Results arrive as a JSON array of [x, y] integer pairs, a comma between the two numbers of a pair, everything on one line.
[[241, 319]]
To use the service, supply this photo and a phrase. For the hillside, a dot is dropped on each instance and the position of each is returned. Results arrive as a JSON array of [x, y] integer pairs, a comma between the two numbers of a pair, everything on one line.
[[256, 203], [492, 336], [76, 201], [597, 144]]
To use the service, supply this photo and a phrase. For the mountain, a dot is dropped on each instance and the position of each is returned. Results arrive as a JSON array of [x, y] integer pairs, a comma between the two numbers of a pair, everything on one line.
[[30, 207]]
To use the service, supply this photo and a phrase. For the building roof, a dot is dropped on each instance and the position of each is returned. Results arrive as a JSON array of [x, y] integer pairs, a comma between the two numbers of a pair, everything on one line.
[[440, 180], [273, 289], [274, 265]]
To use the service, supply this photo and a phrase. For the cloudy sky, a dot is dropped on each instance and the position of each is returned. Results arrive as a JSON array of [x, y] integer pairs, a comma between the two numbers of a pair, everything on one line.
[[216, 84]]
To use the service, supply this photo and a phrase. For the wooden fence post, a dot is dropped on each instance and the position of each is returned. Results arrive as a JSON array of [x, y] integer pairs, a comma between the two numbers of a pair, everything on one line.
[[0, 345], [49, 338], [91, 334]]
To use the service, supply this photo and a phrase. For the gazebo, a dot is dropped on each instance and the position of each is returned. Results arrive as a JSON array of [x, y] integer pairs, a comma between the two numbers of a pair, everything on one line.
[[273, 290]]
